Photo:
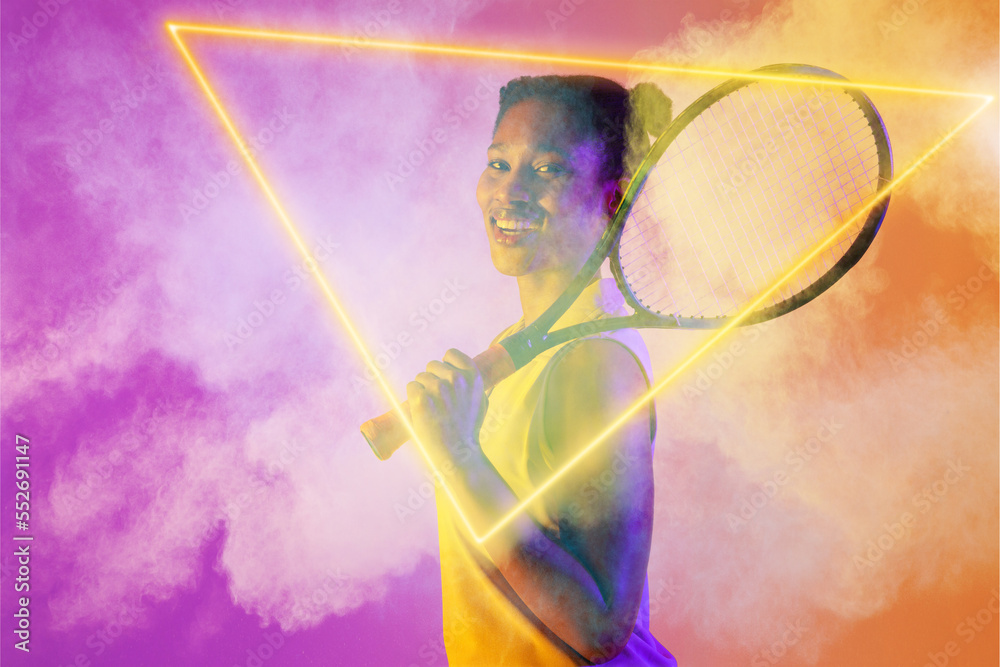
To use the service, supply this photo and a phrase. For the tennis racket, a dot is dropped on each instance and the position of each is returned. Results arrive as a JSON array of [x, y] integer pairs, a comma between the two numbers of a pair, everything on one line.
[[756, 175]]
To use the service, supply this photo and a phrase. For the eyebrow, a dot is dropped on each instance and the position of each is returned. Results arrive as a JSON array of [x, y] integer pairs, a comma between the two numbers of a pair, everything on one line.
[[544, 148]]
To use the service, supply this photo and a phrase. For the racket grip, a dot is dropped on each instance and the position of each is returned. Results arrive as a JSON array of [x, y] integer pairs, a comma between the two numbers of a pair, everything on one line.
[[387, 433]]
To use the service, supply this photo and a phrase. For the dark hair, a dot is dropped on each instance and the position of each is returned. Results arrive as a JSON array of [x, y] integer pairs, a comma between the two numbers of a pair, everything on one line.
[[599, 109]]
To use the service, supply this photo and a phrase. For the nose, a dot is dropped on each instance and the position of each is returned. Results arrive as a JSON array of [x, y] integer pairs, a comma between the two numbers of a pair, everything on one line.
[[515, 187]]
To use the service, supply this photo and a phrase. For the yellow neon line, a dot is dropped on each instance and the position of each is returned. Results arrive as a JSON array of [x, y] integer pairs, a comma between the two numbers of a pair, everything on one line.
[[174, 28], [300, 244], [545, 58], [720, 333]]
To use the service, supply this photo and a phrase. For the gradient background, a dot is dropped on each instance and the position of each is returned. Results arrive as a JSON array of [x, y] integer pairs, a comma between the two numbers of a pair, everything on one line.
[[199, 487]]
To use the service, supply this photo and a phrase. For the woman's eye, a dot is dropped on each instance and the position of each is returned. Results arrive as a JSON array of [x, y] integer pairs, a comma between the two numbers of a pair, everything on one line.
[[497, 164], [551, 168]]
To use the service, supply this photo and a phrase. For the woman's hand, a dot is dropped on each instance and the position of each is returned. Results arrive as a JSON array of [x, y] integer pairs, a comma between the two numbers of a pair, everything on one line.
[[447, 406]]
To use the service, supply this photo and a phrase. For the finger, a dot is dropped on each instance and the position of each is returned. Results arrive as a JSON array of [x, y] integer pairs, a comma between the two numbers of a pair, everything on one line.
[[444, 371], [465, 365], [461, 362], [431, 383], [423, 392], [459, 359], [416, 393], [456, 377]]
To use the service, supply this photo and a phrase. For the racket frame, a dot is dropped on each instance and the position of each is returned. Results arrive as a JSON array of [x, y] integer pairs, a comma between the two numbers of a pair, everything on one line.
[[535, 338]]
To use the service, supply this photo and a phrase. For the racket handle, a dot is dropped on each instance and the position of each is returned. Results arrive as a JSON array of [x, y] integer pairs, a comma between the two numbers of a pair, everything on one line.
[[387, 433]]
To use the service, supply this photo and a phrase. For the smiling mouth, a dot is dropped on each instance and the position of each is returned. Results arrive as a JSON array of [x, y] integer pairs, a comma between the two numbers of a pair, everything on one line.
[[510, 228]]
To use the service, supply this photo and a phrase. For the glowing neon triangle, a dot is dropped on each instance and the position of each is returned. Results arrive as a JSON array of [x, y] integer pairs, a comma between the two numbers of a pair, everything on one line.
[[176, 29]]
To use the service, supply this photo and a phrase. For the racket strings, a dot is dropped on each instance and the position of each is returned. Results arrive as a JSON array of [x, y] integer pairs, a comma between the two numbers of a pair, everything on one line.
[[747, 188]]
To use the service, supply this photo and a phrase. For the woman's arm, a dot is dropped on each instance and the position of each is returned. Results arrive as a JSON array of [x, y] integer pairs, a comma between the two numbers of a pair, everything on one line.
[[586, 583]]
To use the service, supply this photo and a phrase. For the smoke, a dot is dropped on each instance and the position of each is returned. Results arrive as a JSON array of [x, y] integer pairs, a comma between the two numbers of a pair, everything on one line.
[[204, 398], [808, 468]]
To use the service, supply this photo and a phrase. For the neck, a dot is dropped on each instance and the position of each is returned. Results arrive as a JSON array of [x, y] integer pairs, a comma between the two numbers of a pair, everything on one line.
[[541, 289]]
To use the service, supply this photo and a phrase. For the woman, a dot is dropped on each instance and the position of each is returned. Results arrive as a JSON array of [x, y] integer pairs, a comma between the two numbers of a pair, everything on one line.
[[563, 583]]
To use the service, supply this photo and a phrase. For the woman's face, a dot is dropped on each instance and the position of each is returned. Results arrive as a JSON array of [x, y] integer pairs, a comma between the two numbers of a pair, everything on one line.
[[543, 201]]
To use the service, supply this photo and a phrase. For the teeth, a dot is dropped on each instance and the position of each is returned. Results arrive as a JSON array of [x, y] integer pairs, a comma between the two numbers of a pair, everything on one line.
[[511, 225]]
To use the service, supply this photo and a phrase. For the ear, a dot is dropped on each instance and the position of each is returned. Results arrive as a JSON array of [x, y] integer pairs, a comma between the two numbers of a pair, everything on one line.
[[613, 193]]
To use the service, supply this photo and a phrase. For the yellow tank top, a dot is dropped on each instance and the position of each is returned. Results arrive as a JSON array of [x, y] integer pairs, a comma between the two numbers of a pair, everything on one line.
[[485, 622]]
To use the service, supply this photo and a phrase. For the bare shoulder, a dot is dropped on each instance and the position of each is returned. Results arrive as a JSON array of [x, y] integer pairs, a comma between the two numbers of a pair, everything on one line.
[[597, 373], [589, 389]]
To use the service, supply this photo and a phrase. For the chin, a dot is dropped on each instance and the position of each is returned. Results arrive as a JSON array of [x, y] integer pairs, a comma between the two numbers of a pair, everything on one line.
[[508, 265]]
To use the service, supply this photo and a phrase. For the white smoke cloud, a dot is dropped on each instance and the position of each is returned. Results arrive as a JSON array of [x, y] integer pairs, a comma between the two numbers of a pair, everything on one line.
[[758, 535]]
